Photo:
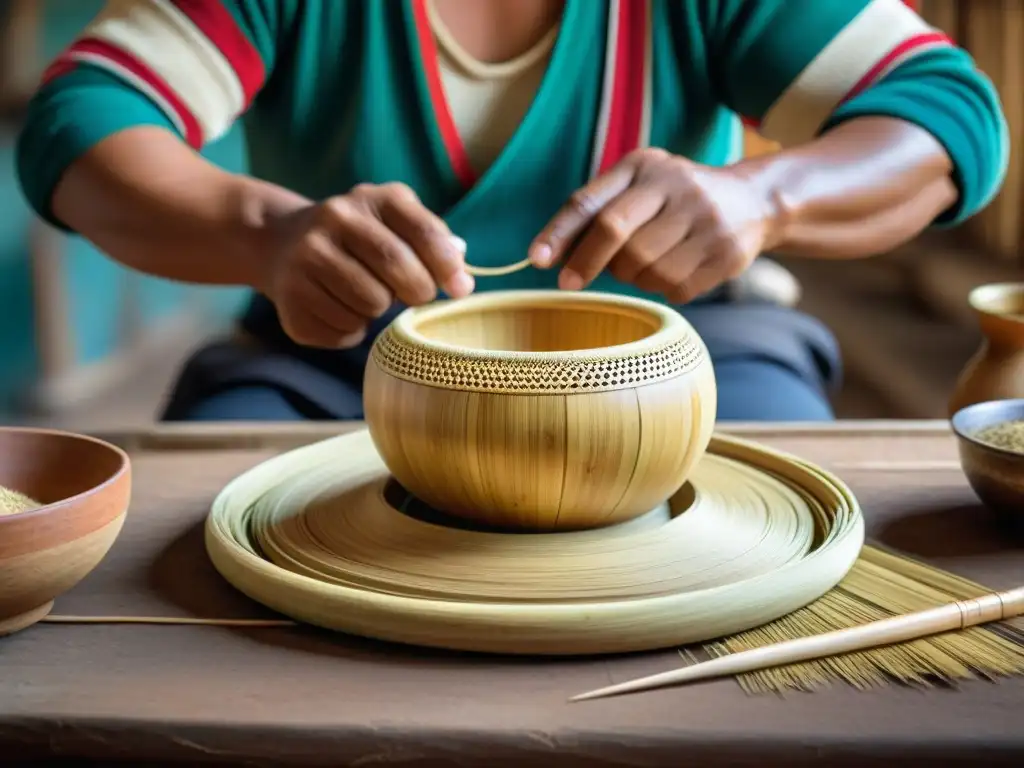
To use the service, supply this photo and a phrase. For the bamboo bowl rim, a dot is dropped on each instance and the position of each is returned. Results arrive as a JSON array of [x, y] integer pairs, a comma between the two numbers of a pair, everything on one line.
[[669, 324], [124, 465]]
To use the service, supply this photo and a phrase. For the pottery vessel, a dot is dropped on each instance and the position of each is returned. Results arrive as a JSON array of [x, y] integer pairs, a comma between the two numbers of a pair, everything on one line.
[[541, 410], [995, 474], [996, 371], [84, 486]]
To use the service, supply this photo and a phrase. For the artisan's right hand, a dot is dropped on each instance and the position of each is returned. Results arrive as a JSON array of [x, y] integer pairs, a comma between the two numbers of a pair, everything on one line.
[[347, 260]]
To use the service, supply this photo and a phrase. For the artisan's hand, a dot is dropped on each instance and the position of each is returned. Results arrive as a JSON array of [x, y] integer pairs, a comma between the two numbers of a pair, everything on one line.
[[662, 223], [346, 261]]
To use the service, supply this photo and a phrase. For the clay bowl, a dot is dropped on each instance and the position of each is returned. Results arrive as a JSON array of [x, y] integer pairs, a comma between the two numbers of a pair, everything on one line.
[[996, 474], [84, 487], [541, 410]]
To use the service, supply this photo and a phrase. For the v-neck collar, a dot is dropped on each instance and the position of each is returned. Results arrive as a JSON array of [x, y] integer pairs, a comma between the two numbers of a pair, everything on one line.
[[450, 153], [624, 110], [468, 64]]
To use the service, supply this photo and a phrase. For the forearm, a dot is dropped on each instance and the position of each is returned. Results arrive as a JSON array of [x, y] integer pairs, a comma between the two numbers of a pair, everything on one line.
[[154, 205], [888, 126], [861, 189]]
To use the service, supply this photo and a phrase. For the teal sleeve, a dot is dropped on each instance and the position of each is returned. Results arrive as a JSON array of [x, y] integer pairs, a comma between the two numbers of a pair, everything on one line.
[[758, 48], [66, 118], [93, 100], [943, 92], [758, 51]]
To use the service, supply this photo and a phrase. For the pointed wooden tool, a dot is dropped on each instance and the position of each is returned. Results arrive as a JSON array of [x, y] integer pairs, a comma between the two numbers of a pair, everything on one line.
[[912, 626]]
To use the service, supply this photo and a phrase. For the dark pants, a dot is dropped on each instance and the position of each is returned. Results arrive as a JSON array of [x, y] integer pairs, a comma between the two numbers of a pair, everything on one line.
[[771, 364]]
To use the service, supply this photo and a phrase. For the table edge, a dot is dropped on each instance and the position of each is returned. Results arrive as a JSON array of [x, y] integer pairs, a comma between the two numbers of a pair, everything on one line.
[[245, 435]]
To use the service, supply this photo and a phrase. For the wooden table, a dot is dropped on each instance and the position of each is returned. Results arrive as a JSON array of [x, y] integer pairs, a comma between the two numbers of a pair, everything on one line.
[[297, 696]]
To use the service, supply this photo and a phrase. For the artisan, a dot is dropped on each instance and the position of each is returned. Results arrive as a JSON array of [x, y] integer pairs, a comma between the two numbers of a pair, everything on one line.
[[393, 142]]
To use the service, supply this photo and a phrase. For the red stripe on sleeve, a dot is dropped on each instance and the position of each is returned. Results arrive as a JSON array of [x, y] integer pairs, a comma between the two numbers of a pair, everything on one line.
[[127, 62], [901, 51], [221, 29], [61, 66]]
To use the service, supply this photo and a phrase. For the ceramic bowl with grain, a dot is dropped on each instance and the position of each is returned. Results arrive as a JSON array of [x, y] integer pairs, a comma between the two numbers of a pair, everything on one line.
[[83, 488], [995, 473]]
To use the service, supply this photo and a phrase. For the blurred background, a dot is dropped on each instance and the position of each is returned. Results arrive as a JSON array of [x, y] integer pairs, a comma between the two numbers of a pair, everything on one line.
[[85, 342]]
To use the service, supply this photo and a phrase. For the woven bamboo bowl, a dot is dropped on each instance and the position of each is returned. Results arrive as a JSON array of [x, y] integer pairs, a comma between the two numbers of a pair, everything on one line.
[[84, 486], [541, 410]]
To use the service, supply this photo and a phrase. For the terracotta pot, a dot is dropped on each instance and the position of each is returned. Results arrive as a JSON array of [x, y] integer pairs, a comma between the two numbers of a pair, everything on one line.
[[996, 371]]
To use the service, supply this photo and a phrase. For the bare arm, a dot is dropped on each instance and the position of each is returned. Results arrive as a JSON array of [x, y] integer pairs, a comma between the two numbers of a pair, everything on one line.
[[861, 189], [887, 126], [110, 150], [153, 204]]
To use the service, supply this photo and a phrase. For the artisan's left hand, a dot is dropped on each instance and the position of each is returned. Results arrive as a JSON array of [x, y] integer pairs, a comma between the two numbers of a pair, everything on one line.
[[662, 223]]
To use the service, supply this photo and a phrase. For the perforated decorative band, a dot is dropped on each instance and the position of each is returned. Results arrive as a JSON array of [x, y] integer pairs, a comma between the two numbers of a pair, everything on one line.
[[534, 375]]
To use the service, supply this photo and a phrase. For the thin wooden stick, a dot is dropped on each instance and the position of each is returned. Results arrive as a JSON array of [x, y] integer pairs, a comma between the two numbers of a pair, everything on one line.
[[912, 626], [508, 269], [168, 621], [476, 271]]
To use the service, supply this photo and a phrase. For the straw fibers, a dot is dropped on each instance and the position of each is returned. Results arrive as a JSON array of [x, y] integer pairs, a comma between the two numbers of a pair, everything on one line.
[[882, 584]]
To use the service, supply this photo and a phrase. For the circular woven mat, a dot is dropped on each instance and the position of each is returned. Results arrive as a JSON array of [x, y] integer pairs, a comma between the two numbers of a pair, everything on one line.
[[323, 535]]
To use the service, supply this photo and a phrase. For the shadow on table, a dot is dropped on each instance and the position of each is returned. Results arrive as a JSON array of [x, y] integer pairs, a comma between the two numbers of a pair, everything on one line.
[[183, 575], [962, 530]]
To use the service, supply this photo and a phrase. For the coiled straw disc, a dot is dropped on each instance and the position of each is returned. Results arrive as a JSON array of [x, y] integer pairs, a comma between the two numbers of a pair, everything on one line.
[[322, 534]]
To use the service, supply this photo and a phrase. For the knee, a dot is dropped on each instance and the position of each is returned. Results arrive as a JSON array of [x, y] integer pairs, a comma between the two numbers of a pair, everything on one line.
[[762, 390]]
